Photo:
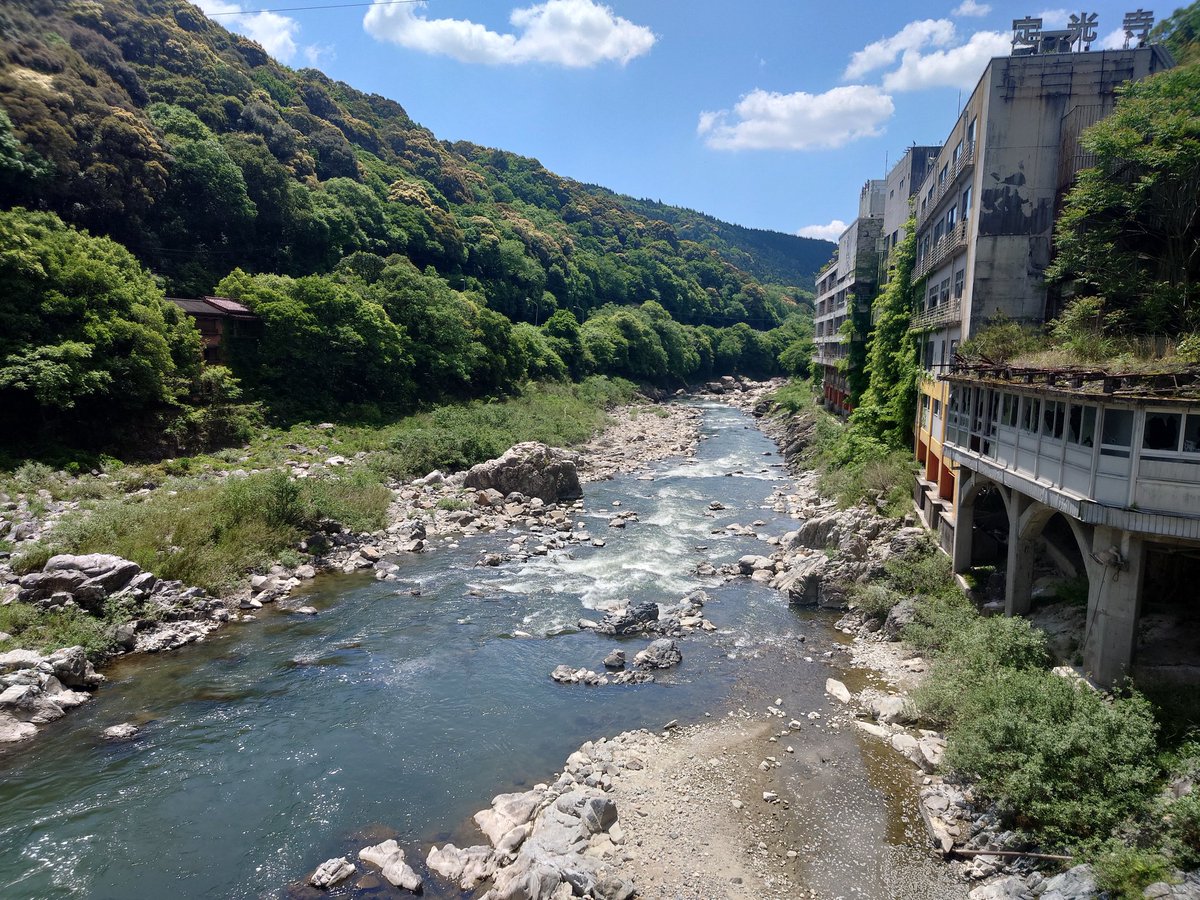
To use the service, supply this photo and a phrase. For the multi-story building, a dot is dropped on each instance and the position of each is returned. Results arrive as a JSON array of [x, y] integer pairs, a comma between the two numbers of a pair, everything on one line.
[[986, 209], [902, 181], [845, 289]]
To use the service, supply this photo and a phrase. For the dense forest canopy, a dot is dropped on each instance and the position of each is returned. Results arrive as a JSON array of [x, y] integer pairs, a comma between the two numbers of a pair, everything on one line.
[[388, 268]]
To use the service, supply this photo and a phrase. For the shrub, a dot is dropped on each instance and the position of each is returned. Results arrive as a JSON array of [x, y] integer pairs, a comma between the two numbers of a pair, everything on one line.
[[1183, 830], [1060, 760], [1125, 872]]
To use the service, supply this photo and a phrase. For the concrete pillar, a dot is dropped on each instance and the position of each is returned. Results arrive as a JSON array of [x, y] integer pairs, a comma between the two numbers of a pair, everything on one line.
[[964, 529], [1114, 603], [1018, 588]]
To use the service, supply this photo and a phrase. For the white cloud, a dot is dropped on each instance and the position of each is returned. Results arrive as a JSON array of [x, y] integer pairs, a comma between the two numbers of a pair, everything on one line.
[[830, 232], [315, 54], [971, 8], [957, 67], [277, 34], [572, 33], [763, 120], [913, 36], [1053, 19], [1114, 40]]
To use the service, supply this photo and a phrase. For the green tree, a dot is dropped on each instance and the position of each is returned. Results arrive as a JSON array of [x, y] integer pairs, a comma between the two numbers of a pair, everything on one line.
[[1181, 33], [325, 348], [1129, 236], [87, 342]]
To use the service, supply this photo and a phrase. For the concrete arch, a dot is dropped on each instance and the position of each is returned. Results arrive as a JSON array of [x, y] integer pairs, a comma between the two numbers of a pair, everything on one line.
[[1033, 521]]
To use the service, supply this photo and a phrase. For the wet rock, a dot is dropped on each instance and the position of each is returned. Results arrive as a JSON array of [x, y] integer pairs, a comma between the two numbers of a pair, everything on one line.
[[126, 731], [632, 619], [661, 654], [331, 872], [390, 859], [615, 660], [13, 730]]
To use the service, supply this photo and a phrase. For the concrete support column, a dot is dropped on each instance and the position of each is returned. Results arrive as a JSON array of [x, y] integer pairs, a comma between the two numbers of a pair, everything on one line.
[[1114, 603], [964, 534], [1018, 588]]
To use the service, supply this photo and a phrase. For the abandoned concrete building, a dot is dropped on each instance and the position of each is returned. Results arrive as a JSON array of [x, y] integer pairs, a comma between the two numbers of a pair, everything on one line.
[[1100, 475], [1039, 477]]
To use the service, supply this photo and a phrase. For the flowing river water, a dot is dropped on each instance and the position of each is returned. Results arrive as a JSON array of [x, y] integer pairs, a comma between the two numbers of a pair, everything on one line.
[[402, 708]]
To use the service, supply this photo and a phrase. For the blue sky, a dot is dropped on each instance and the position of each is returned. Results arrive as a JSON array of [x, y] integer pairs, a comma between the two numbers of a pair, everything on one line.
[[770, 114]]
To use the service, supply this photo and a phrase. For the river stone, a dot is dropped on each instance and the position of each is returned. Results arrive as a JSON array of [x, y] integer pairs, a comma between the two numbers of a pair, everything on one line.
[[598, 813], [126, 731], [390, 859], [467, 867], [837, 690], [530, 468], [631, 620], [71, 667], [16, 660], [661, 654], [331, 872], [13, 730], [615, 660]]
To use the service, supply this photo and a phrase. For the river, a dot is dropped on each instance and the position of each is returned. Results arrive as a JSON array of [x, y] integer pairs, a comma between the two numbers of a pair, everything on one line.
[[402, 708]]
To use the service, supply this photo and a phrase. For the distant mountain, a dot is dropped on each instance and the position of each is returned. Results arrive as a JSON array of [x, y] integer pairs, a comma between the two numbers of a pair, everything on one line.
[[147, 122], [767, 255]]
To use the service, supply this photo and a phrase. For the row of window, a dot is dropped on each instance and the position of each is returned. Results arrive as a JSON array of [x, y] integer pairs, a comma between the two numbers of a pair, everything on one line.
[[977, 412], [962, 146]]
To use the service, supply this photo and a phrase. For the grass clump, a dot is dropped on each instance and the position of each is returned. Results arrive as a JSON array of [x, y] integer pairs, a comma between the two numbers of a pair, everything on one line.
[[45, 632], [211, 535]]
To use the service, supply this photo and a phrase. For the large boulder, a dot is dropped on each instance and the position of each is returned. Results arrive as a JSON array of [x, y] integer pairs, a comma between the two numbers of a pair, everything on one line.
[[532, 469], [633, 619], [661, 654], [88, 579]]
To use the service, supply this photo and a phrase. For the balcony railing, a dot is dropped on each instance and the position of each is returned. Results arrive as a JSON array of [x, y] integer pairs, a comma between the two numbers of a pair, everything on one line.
[[930, 319], [948, 243], [966, 160]]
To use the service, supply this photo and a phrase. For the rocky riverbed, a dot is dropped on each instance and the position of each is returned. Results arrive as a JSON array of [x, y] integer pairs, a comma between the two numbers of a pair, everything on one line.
[[533, 488]]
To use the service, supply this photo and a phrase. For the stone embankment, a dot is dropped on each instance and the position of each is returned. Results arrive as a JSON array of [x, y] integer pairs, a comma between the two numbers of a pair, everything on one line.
[[533, 488]]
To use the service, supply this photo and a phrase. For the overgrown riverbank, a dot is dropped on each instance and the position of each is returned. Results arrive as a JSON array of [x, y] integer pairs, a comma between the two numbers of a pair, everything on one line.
[[212, 520], [1035, 759]]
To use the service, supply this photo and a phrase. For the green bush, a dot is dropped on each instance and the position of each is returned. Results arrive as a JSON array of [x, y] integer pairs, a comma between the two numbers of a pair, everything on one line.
[[1125, 872], [1062, 761], [975, 650], [1183, 830], [47, 631]]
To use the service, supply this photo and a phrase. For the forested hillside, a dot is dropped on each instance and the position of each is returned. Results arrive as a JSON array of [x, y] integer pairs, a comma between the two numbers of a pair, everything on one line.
[[402, 267], [767, 255]]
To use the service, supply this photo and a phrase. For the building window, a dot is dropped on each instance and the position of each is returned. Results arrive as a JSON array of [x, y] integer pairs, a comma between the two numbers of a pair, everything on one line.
[[966, 202], [957, 154], [1162, 431], [971, 133], [960, 282], [1030, 414], [945, 290], [1191, 434], [953, 347], [937, 232], [942, 174], [937, 407], [1052, 419], [1116, 432], [1081, 425], [951, 218]]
